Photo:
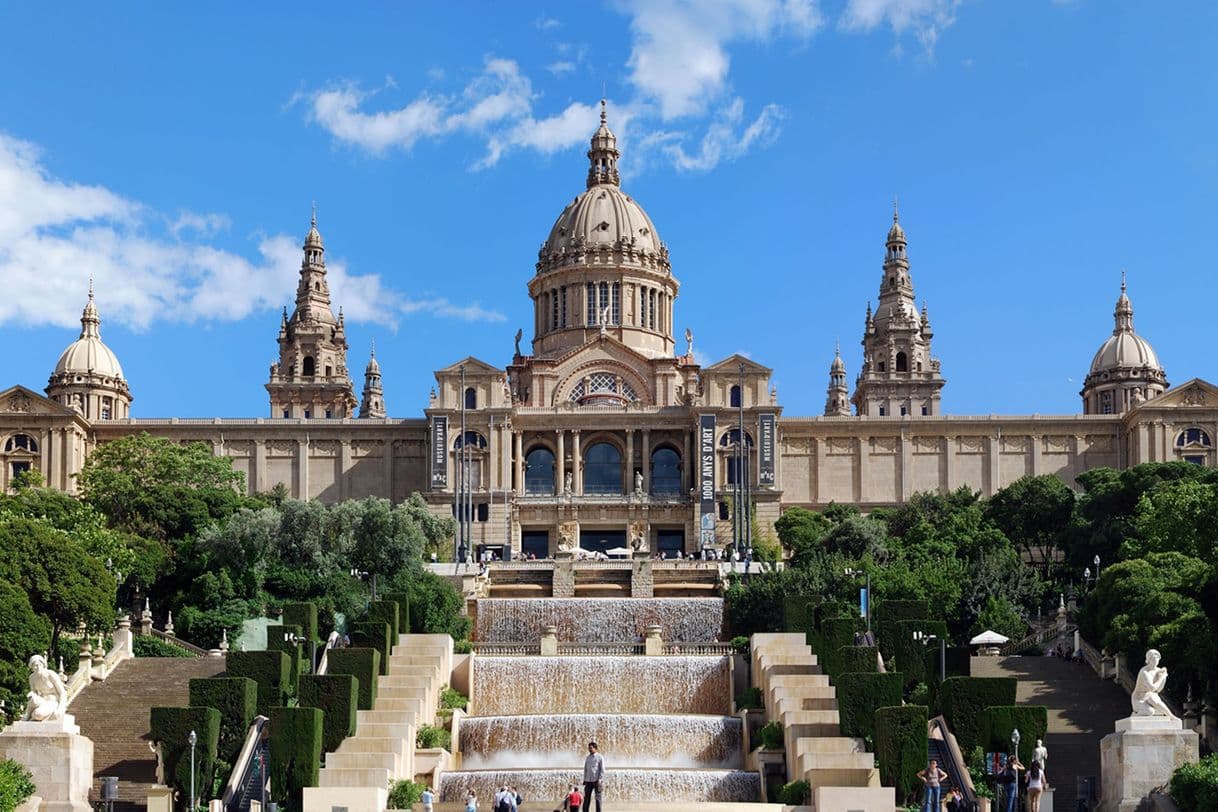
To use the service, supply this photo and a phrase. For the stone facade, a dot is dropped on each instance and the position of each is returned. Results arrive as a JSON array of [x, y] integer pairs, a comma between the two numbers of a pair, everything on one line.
[[600, 426]]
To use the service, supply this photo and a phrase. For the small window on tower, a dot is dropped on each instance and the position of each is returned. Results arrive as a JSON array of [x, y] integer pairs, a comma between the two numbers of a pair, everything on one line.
[[883, 366], [286, 415], [883, 411], [902, 362], [329, 414], [308, 367], [471, 398], [734, 396], [925, 411], [904, 411], [308, 414]]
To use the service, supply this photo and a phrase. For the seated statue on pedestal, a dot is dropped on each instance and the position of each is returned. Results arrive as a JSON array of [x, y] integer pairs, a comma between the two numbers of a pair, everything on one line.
[[1151, 679], [48, 699]]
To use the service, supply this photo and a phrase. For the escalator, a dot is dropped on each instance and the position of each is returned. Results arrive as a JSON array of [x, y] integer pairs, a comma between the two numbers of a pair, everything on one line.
[[941, 746]]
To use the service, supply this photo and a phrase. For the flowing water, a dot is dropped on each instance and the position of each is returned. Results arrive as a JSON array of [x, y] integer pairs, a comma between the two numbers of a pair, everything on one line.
[[543, 789], [598, 620], [512, 686], [678, 742]]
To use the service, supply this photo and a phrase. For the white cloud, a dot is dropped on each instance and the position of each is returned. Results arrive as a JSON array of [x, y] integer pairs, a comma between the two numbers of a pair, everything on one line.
[[925, 19], [727, 137], [679, 57], [561, 68], [544, 23], [147, 267]]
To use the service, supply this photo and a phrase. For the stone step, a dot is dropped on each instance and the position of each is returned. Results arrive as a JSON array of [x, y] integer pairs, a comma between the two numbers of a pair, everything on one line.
[[361, 777]]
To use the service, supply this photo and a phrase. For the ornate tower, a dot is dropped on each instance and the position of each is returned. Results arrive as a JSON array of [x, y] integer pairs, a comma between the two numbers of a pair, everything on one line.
[[88, 377], [898, 376], [310, 378], [372, 404], [837, 403], [1125, 371]]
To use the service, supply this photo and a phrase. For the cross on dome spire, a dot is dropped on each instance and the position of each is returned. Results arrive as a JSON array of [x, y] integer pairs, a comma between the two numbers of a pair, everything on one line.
[[603, 154]]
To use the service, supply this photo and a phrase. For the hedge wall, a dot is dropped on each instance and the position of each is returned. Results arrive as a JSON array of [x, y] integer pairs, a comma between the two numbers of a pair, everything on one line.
[[997, 722], [957, 666], [888, 612], [337, 696], [854, 660], [171, 727], [835, 632], [858, 696], [362, 663], [303, 615], [295, 753], [270, 669], [963, 700], [237, 700], [373, 634], [385, 611], [911, 654], [298, 653], [901, 748], [799, 614]]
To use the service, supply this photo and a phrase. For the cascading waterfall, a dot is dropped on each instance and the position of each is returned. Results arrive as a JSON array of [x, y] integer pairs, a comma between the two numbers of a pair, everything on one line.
[[598, 620], [512, 686], [541, 789], [668, 741]]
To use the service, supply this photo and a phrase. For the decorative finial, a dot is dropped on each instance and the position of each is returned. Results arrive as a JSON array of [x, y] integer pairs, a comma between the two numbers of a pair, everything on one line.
[[313, 221], [895, 213], [91, 286], [837, 347], [1122, 282], [374, 348], [604, 117]]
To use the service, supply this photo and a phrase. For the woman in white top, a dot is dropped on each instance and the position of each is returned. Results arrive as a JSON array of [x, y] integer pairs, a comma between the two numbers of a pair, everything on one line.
[[471, 802], [1036, 785]]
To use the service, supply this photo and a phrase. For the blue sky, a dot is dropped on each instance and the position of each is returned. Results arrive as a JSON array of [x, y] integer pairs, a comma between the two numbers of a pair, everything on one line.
[[1037, 148]]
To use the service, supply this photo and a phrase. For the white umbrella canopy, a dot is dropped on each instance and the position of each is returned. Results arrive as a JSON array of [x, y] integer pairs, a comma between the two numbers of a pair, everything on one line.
[[618, 551], [988, 638]]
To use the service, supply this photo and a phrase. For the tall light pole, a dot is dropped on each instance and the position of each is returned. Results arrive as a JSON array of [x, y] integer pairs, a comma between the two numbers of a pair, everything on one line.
[[462, 484], [1015, 755], [925, 639], [193, 738]]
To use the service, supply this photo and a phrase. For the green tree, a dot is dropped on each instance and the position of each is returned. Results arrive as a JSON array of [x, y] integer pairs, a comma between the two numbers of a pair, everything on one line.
[[438, 531], [1033, 512], [800, 531], [22, 633], [1176, 516], [858, 536], [999, 615], [154, 487]]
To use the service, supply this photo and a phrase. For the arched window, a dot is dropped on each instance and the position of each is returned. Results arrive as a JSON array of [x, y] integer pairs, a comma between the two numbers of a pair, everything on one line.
[[603, 469], [665, 471], [308, 367], [21, 442], [1193, 436], [902, 362], [728, 441], [471, 398], [539, 471], [471, 438], [734, 396]]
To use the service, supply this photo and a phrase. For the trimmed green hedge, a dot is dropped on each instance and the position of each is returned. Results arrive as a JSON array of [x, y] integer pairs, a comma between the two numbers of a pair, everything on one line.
[[303, 615], [835, 633], [295, 753], [362, 663], [858, 696], [237, 700], [373, 634], [145, 645], [998, 721], [911, 654], [402, 599], [963, 701], [887, 613], [799, 614], [337, 695], [270, 669], [957, 666], [385, 611], [171, 727], [854, 660], [298, 653], [901, 748]]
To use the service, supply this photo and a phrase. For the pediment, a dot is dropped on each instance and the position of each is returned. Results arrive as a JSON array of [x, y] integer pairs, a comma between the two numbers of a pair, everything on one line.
[[473, 366], [732, 364], [22, 401], [610, 356], [1193, 394]]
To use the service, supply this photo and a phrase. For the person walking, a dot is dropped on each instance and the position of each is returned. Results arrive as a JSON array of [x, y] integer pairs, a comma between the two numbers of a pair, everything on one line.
[[594, 773], [471, 802], [932, 786], [427, 799], [1037, 784], [573, 801]]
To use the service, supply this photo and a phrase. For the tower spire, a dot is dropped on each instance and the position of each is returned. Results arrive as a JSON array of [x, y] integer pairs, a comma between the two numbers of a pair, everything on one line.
[[1123, 314], [603, 154]]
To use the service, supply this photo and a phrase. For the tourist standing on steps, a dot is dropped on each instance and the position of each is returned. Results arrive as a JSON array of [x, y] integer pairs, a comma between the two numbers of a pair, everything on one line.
[[1009, 779], [932, 792], [471, 802], [1037, 784], [594, 773], [427, 798]]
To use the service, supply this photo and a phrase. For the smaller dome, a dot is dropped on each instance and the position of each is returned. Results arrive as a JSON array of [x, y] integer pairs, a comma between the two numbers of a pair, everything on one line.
[[896, 233], [373, 367], [1125, 350], [88, 355]]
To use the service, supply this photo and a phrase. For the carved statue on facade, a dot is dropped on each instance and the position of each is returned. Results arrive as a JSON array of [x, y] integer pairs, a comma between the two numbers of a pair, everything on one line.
[[519, 335], [566, 537], [568, 482], [1146, 699], [604, 319], [638, 482], [689, 342], [638, 537], [47, 697], [1041, 753]]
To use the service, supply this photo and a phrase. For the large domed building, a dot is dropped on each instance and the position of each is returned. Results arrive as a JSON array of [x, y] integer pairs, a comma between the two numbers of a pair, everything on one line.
[[603, 432]]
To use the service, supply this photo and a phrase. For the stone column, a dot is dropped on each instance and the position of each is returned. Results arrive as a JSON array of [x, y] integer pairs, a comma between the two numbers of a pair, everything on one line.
[[905, 449], [688, 464], [387, 446], [629, 461], [344, 468], [302, 468], [560, 464], [577, 463], [1038, 443], [518, 444], [645, 453]]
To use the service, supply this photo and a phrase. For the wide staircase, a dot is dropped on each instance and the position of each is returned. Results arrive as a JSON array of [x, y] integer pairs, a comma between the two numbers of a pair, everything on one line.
[[1082, 710], [115, 715]]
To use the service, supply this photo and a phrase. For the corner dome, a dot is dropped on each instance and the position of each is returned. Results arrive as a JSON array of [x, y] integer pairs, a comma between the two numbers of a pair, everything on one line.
[[88, 355]]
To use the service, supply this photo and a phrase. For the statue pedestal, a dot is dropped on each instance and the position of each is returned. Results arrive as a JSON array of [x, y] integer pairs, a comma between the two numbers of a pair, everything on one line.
[[1140, 757], [59, 759]]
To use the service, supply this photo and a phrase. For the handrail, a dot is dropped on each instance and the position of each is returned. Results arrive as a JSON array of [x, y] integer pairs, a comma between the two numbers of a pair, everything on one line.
[[80, 679], [179, 643], [245, 760], [1036, 638], [962, 777], [331, 642]]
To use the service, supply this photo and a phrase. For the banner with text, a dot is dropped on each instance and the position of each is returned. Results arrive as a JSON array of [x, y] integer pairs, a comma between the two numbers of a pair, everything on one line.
[[765, 451], [706, 478], [439, 451]]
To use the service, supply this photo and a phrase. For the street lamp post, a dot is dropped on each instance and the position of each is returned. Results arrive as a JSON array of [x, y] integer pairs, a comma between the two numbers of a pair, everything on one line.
[[1015, 756], [193, 738], [853, 573], [925, 639]]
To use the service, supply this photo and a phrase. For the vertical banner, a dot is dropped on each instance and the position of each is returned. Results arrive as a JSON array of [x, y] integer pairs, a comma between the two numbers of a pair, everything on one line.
[[439, 451], [863, 598], [765, 450], [706, 479]]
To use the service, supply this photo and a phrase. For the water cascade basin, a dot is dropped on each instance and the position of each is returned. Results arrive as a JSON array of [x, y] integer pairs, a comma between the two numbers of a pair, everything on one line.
[[544, 789], [598, 620]]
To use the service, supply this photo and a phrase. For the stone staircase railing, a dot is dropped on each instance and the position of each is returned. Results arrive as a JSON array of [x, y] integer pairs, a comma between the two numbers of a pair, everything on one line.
[[97, 664]]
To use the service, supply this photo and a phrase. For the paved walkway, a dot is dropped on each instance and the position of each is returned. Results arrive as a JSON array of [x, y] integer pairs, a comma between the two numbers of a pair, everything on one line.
[[1082, 710]]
